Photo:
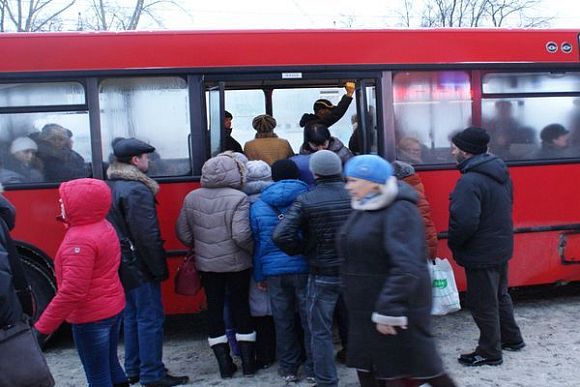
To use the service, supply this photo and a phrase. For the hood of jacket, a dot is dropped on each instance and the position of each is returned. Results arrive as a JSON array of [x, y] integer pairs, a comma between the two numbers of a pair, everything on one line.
[[282, 193], [306, 118], [390, 192], [124, 171], [85, 201], [402, 169], [221, 172], [255, 187], [486, 164], [334, 145]]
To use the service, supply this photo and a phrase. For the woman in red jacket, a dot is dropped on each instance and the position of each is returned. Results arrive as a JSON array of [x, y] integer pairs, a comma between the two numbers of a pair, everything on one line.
[[90, 295]]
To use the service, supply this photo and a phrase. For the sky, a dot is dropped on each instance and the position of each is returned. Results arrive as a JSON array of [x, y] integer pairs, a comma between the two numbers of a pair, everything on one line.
[[297, 14], [258, 14]]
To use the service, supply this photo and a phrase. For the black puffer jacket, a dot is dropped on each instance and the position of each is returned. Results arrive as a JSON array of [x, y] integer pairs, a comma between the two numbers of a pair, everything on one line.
[[134, 203], [386, 281], [311, 224], [480, 213], [332, 117]]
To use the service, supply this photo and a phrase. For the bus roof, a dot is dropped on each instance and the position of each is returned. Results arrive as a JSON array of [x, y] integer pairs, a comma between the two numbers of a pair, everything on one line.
[[79, 51]]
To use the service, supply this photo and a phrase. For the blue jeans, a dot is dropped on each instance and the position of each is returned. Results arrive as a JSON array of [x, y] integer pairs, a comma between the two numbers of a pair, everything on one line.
[[144, 333], [323, 293], [288, 295], [96, 344]]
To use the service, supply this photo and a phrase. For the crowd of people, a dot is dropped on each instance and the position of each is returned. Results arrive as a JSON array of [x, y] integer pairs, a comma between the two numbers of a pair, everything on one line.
[[285, 245]]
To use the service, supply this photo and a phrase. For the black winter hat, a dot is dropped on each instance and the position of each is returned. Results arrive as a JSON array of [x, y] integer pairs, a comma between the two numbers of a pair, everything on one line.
[[322, 104], [472, 140], [228, 114], [285, 169], [129, 147], [552, 132]]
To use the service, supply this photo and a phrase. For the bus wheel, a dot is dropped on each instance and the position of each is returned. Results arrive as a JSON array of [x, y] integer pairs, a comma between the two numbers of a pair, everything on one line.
[[41, 282]]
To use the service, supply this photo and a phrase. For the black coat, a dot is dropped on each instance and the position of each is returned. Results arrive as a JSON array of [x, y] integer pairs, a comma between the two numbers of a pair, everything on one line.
[[332, 117], [480, 213], [311, 223], [386, 278], [134, 203]]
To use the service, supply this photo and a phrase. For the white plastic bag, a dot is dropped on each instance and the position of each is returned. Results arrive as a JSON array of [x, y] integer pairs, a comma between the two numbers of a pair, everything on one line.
[[443, 288]]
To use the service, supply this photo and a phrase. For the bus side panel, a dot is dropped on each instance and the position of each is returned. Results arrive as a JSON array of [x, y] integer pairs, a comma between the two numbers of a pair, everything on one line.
[[542, 197]]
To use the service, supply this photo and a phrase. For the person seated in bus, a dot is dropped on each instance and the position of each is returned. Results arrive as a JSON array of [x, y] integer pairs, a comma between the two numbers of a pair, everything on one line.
[[55, 150], [410, 150], [523, 143], [325, 112], [267, 146], [230, 143], [317, 137], [23, 160], [501, 128], [555, 141]]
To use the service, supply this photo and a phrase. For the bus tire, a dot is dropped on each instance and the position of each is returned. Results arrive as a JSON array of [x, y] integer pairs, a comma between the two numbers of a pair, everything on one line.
[[42, 285]]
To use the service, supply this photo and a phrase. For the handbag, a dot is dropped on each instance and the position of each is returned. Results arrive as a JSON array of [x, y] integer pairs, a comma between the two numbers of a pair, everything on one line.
[[443, 288], [187, 280], [21, 360]]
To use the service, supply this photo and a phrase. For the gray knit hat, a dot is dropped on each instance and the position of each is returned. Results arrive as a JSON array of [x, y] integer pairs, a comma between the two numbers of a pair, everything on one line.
[[325, 163], [264, 123], [258, 170]]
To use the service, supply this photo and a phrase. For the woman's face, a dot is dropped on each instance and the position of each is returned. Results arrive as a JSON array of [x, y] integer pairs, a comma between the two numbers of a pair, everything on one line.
[[25, 156], [359, 188]]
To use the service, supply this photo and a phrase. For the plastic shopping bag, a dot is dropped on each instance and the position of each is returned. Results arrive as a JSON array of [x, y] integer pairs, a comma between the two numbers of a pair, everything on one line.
[[443, 288]]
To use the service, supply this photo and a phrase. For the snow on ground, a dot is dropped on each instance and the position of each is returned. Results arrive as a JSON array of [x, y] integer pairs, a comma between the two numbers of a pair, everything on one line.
[[550, 325]]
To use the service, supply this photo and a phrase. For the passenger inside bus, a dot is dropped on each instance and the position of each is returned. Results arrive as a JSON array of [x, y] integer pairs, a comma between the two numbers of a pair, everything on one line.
[[555, 141], [410, 150], [22, 165], [325, 112], [267, 146], [500, 128], [229, 142], [55, 150]]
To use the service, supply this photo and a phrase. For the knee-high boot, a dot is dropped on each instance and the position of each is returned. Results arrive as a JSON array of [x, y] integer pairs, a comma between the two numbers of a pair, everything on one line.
[[247, 345], [221, 350]]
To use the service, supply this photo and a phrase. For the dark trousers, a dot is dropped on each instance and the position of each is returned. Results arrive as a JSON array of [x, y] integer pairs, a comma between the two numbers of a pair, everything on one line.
[[238, 284], [265, 340], [492, 309], [341, 318], [96, 344]]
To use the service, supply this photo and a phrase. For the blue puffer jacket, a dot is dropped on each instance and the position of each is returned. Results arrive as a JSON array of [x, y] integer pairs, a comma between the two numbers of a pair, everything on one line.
[[269, 260]]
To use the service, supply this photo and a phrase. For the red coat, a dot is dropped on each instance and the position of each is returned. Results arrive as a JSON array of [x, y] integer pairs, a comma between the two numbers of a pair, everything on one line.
[[430, 232], [87, 261]]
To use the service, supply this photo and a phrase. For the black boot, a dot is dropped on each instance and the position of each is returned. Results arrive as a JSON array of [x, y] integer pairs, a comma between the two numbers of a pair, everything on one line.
[[248, 355], [225, 362]]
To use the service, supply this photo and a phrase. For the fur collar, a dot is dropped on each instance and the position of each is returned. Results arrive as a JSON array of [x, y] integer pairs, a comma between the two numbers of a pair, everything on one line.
[[124, 171], [387, 195]]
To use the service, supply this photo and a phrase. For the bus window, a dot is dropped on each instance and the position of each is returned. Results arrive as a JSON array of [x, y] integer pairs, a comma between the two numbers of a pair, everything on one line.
[[519, 127], [244, 105], [290, 104], [429, 108], [526, 126], [41, 94], [155, 110], [49, 147]]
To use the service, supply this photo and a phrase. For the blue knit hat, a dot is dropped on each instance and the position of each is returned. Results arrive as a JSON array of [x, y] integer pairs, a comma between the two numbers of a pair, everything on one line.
[[369, 167]]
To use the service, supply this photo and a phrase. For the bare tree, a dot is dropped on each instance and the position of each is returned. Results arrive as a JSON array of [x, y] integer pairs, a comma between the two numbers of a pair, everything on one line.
[[476, 13], [32, 15], [406, 13], [110, 15]]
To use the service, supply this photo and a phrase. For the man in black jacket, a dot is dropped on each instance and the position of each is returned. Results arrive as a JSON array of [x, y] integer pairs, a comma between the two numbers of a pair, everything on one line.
[[310, 227], [134, 216], [481, 239], [325, 112]]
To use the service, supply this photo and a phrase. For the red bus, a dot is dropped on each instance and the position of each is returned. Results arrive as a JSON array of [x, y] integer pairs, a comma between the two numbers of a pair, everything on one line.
[[415, 88]]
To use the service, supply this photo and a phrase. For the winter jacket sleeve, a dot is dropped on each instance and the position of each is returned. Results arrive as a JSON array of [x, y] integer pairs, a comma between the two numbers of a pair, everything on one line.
[[255, 223], [287, 233], [143, 225], [425, 209], [77, 263], [464, 212], [182, 229], [403, 244], [337, 112], [241, 229]]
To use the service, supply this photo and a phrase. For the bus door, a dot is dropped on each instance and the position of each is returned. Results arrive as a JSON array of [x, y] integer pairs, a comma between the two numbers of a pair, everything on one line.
[[288, 97], [215, 117]]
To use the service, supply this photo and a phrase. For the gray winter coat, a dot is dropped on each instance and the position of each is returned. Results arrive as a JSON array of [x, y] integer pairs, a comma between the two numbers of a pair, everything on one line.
[[215, 219]]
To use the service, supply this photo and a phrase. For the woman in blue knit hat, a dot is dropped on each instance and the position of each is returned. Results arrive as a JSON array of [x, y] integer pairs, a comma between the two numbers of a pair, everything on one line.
[[387, 285]]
